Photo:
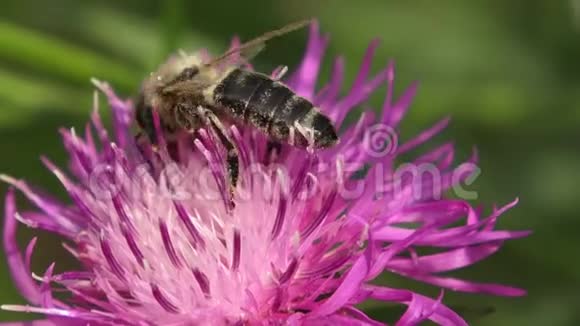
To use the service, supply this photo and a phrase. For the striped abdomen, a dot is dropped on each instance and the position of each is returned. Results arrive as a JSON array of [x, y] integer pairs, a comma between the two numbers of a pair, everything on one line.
[[270, 106]]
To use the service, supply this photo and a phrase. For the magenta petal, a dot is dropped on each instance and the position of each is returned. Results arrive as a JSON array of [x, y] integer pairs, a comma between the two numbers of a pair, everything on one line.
[[419, 310], [122, 114], [396, 113], [357, 97], [442, 262], [54, 321], [449, 238], [39, 220], [342, 320], [360, 316], [365, 67], [347, 288], [389, 252], [326, 98], [440, 314], [435, 213], [16, 263], [422, 308], [57, 212], [423, 137], [304, 79], [465, 286]]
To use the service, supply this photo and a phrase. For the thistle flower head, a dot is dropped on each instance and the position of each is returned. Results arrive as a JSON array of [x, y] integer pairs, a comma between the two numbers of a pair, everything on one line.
[[309, 232]]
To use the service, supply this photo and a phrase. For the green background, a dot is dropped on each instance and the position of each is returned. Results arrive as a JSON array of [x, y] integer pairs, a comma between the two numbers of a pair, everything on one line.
[[508, 72]]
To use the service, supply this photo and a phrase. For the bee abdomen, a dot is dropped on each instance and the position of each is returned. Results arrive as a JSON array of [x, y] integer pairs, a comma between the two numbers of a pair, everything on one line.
[[293, 109], [272, 107], [256, 99], [234, 91], [266, 103]]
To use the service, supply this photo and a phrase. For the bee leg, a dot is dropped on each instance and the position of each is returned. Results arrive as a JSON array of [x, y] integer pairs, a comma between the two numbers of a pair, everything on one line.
[[137, 138], [291, 136], [142, 137], [308, 134], [279, 73], [232, 157], [273, 149]]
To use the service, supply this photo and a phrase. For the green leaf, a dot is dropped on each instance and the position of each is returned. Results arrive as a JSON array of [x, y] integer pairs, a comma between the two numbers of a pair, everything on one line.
[[21, 97], [52, 56]]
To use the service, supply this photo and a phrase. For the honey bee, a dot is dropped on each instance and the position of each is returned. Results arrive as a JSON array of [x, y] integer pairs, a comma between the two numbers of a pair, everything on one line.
[[188, 94]]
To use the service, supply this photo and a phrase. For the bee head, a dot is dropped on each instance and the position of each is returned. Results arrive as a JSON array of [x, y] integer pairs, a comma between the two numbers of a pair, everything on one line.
[[178, 67]]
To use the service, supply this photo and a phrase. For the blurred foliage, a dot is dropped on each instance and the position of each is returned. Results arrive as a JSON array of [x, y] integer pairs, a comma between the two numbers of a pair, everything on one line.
[[506, 71]]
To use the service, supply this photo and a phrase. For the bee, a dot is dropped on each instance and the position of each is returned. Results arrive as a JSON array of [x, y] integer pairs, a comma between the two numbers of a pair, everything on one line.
[[189, 94]]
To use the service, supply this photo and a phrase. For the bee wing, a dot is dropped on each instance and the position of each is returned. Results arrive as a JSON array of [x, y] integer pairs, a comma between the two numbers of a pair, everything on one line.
[[251, 48], [186, 87]]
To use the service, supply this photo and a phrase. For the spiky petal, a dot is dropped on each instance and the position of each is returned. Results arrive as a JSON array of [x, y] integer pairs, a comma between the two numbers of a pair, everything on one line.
[[159, 246]]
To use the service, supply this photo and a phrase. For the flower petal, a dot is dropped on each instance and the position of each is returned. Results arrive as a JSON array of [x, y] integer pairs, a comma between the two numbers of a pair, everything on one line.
[[440, 314], [19, 270]]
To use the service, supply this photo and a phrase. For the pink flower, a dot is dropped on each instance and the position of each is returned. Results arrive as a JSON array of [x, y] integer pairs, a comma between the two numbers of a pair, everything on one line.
[[307, 236]]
